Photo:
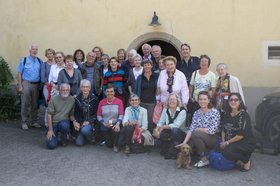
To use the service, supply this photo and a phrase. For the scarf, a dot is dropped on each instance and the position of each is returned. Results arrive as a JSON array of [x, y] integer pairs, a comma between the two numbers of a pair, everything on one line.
[[135, 113], [137, 134]]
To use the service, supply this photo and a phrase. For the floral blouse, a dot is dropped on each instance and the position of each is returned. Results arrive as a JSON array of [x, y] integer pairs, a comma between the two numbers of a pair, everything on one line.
[[210, 120]]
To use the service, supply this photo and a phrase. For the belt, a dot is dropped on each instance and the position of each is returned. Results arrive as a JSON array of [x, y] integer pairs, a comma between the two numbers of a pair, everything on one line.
[[33, 82]]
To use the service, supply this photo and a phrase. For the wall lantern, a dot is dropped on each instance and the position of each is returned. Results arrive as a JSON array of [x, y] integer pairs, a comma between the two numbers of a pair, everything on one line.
[[154, 20]]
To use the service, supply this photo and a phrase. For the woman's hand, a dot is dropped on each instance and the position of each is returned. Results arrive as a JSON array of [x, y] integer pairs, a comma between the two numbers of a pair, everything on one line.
[[224, 144], [50, 134], [86, 123], [116, 127], [77, 125]]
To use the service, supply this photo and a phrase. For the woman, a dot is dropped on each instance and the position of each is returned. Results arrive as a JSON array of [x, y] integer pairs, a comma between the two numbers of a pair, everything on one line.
[[53, 76], [201, 80], [136, 71], [145, 88], [116, 77], [238, 141], [70, 75], [135, 119], [45, 72], [205, 124], [160, 65], [99, 52], [110, 115], [172, 123], [226, 84], [105, 63], [85, 113], [79, 57], [121, 54], [172, 80]]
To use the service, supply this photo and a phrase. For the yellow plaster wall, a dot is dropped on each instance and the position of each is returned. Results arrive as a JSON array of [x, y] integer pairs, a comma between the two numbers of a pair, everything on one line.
[[229, 31]]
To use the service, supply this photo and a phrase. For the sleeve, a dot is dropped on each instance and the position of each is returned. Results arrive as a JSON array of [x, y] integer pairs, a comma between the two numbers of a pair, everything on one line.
[[95, 107], [126, 116], [235, 86], [213, 80], [130, 76], [214, 121], [60, 78], [144, 124], [162, 119], [99, 112], [79, 81], [120, 118], [195, 121], [20, 66], [72, 109], [51, 108], [43, 72], [184, 89], [180, 120], [192, 78]]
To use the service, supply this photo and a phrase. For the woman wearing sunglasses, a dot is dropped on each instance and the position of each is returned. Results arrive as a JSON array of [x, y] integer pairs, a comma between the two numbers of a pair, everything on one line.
[[238, 141]]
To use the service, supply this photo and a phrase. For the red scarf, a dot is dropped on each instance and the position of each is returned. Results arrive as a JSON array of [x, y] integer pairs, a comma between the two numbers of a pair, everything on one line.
[[137, 133]]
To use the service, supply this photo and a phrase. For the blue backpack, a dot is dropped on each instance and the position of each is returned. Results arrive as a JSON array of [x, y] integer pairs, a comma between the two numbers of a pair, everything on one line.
[[219, 162]]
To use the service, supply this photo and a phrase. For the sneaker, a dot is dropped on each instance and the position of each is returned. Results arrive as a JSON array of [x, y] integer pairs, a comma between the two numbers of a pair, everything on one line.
[[36, 125], [202, 163], [127, 149], [24, 126], [116, 149]]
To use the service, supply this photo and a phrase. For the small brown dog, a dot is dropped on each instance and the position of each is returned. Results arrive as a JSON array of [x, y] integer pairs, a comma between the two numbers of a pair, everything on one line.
[[184, 157]]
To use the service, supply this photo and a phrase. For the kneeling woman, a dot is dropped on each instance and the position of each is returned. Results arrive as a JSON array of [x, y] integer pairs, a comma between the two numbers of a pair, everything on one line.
[[135, 124], [86, 105], [171, 124], [110, 115], [205, 123], [238, 141]]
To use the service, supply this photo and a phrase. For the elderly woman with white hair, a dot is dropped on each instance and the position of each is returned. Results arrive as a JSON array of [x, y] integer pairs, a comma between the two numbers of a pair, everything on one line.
[[135, 124], [134, 73], [172, 124], [226, 83], [86, 104]]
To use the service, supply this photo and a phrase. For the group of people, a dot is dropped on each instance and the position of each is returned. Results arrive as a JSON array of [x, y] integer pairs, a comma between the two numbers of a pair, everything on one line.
[[95, 98]]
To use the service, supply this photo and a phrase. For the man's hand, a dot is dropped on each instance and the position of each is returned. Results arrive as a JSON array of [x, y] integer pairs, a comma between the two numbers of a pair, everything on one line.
[[20, 89]]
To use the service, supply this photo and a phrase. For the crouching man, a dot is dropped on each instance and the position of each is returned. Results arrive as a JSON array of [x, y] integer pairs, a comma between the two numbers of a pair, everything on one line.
[[60, 113]]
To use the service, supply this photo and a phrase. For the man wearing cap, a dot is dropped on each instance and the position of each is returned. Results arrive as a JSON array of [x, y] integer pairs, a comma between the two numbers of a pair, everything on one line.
[[28, 86]]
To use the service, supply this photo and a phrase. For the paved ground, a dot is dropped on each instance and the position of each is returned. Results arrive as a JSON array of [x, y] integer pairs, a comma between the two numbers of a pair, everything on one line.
[[24, 160]]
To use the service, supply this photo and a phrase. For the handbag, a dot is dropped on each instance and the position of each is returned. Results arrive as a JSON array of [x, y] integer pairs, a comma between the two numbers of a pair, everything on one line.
[[157, 112], [219, 162]]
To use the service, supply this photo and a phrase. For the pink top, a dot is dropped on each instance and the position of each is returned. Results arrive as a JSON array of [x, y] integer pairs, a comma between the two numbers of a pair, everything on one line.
[[179, 87]]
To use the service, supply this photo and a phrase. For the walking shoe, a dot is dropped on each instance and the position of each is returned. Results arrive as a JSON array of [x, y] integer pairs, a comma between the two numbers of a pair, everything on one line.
[[116, 149], [64, 143], [35, 125], [24, 126], [127, 149], [202, 163]]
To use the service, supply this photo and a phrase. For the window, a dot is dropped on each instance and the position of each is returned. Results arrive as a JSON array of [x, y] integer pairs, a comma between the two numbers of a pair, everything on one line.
[[271, 52]]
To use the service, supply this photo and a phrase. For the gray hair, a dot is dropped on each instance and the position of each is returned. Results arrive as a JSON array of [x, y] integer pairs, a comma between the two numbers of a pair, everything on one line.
[[64, 85], [137, 56], [33, 45], [146, 44], [222, 65], [179, 103], [133, 96], [156, 46], [133, 52], [85, 82]]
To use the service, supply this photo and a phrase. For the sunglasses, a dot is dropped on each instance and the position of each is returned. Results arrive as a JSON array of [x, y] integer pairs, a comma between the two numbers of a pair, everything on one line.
[[234, 99]]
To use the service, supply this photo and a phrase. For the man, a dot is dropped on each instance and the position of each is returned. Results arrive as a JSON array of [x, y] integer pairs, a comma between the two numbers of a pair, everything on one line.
[[129, 63], [28, 86], [92, 72], [60, 113], [147, 49], [189, 63], [156, 52]]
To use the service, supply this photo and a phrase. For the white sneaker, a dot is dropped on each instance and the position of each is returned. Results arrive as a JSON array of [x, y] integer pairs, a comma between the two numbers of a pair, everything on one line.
[[116, 149], [24, 126], [36, 125], [202, 163]]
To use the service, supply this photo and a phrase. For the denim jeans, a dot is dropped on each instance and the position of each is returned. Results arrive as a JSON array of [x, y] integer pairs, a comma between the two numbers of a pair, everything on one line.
[[178, 135], [63, 127], [84, 134]]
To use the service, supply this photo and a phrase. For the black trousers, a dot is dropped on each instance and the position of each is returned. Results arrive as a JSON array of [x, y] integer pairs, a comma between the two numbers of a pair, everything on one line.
[[112, 138], [240, 150]]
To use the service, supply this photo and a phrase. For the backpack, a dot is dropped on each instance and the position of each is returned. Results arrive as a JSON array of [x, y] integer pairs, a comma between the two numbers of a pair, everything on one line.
[[219, 162]]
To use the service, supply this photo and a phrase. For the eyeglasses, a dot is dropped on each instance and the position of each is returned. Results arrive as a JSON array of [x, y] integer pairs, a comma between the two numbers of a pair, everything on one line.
[[134, 100], [234, 99]]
